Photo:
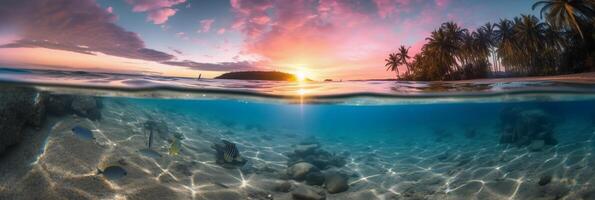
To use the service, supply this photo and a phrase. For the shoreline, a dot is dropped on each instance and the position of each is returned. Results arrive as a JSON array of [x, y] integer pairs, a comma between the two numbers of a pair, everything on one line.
[[585, 77]]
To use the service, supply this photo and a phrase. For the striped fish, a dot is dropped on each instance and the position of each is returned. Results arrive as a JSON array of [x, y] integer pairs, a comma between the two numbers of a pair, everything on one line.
[[230, 152]]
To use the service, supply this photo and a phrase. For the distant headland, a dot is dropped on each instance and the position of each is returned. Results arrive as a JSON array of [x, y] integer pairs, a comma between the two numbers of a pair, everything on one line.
[[259, 75]]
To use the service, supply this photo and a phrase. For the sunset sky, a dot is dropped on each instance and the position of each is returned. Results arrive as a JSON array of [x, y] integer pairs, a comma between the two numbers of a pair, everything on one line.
[[338, 39]]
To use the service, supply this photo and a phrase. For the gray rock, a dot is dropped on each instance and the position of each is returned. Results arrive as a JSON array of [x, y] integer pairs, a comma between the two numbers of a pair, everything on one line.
[[521, 126], [305, 149], [86, 106], [544, 180], [19, 108], [305, 193], [336, 182], [315, 155], [299, 170], [59, 104], [284, 186]]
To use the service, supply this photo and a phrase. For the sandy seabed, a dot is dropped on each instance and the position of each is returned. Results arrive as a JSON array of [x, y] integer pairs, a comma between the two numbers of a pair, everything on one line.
[[53, 163]]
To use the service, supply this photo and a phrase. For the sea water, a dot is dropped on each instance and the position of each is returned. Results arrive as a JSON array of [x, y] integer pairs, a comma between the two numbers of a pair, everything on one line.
[[334, 140]]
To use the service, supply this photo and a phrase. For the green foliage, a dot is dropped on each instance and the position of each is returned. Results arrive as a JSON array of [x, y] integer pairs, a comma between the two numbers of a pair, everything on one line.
[[524, 46]]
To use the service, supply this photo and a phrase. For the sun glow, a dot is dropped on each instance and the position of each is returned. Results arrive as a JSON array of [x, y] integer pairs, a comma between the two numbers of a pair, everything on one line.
[[301, 74]]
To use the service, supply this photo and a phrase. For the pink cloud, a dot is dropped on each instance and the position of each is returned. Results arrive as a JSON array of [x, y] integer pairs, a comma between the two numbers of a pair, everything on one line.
[[330, 36], [148, 5], [388, 8], [442, 3], [247, 10], [160, 16], [110, 10], [221, 31], [302, 31], [158, 11], [205, 25]]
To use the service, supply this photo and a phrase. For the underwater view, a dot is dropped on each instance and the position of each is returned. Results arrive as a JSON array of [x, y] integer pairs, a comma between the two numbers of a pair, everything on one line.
[[513, 140]]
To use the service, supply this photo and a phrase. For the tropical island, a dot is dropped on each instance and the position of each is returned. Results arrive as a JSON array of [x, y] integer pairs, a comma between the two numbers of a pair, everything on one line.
[[563, 43], [259, 75]]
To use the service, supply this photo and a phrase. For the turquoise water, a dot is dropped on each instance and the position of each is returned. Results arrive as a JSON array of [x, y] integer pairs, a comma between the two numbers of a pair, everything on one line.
[[350, 140], [355, 122]]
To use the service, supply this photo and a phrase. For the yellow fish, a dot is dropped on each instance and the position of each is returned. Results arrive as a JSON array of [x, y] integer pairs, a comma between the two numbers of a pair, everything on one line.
[[174, 148]]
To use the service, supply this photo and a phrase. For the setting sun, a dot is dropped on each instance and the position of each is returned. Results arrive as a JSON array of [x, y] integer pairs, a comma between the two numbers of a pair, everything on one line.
[[301, 76]]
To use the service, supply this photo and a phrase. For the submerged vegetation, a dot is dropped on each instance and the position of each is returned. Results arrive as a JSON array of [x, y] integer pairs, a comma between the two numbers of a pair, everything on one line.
[[524, 46]]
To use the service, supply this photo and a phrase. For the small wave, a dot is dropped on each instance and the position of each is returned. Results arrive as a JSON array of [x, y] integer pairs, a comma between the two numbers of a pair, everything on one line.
[[350, 92]]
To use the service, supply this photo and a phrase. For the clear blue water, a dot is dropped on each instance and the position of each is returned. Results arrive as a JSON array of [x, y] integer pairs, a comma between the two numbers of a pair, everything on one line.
[[387, 140], [355, 122]]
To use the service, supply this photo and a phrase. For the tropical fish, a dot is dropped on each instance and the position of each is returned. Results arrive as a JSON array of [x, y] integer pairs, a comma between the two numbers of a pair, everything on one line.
[[83, 133], [113, 172], [150, 153], [231, 151], [174, 148], [228, 155]]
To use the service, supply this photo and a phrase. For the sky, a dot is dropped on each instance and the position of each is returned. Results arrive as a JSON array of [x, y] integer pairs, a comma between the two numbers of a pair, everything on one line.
[[323, 39]]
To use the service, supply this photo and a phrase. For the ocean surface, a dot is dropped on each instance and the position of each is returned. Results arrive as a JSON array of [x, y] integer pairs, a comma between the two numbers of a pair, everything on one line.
[[162, 138]]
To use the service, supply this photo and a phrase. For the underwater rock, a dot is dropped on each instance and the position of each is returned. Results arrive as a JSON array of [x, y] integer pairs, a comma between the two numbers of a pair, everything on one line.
[[522, 126], [336, 182], [303, 150], [544, 180], [84, 106], [305, 193], [228, 155], [59, 104], [284, 186], [315, 178], [299, 170], [312, 152], [179, 136], [19, 108]]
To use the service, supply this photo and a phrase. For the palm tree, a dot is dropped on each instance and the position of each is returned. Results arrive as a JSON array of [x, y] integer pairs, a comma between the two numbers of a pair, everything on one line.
[[466, 51], [392, 63], [444, 47], [505, 42], [567, 14], [530, 36], [488, 32], [403, 56]]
